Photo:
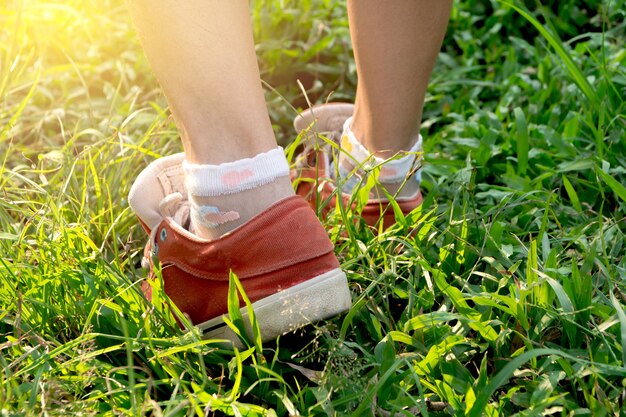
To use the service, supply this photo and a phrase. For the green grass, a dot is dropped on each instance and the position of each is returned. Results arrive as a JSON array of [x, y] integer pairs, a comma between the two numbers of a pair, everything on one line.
[[504, 294]]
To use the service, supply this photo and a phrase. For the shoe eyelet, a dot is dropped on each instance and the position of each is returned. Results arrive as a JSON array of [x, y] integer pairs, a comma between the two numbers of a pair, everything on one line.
[[163, 235], [155, 249]]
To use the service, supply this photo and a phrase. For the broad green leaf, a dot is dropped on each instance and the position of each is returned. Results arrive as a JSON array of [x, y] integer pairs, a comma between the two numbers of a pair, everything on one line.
[[617, 188], [234, 311], [436, 354], [521, 138], [573, 196], [430, 320]]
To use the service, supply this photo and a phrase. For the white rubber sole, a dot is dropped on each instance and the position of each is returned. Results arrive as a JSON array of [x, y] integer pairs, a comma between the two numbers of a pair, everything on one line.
[[316, 299]]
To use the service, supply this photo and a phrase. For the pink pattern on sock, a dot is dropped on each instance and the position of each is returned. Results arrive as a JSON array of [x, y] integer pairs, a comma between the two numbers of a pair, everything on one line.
[[211, 217], [234, 178], [220, 218]]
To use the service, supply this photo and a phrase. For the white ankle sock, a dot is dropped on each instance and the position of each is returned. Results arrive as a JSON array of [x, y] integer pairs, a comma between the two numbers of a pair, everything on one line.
[[355, 158], [227, 195]]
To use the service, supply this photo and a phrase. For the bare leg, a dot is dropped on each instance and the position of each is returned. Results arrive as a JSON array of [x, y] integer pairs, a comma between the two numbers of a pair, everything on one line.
[[396, 43], [202, 52]]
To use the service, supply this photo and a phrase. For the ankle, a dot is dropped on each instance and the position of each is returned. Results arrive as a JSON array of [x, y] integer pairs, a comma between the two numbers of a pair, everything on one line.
[[384, 139], [200, 146]]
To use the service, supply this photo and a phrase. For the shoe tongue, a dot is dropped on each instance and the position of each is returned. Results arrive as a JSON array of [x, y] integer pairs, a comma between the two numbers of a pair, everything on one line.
[[158, 180]]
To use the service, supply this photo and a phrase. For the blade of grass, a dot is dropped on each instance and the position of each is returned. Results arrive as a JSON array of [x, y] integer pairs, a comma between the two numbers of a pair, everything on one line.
[[254, 324], [521, 127], [622, 320]]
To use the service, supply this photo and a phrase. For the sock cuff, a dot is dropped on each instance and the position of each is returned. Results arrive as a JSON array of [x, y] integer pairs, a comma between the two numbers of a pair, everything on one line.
[[205, 180], [394, 169]]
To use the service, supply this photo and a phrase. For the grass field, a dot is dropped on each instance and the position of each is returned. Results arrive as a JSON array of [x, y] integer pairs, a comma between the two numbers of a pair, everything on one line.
[[504, 294]]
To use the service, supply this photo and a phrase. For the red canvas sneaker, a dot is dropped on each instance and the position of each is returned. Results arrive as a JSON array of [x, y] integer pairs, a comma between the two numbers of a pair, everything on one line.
[[283, 258], [313, 176]]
